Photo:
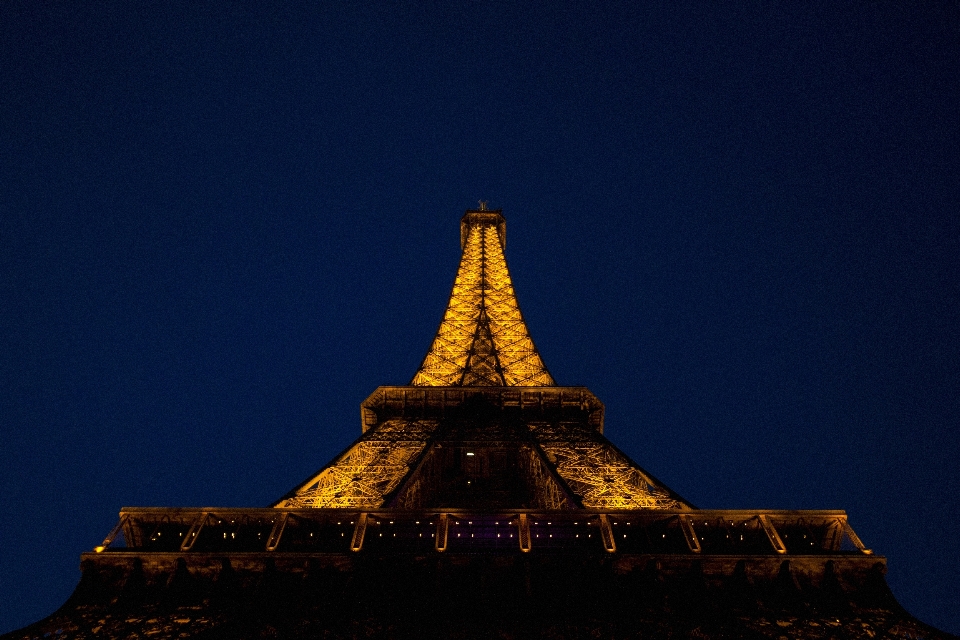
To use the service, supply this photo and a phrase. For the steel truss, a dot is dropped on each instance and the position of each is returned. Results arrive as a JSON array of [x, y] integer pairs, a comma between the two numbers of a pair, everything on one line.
[[594, 469], [368, 470]]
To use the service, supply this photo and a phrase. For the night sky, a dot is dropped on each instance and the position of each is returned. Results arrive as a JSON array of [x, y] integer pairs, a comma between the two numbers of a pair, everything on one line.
[[223, 226]]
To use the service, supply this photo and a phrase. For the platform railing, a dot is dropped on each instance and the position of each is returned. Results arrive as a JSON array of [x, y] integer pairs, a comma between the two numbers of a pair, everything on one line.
[[702, 532]]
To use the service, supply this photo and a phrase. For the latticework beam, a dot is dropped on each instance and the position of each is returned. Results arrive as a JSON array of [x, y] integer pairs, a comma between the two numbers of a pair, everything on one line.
[[368, 471], [597, 472]]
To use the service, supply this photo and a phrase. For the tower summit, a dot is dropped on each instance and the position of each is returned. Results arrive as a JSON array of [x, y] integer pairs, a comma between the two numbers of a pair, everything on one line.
[[481, 500], [482, 339]]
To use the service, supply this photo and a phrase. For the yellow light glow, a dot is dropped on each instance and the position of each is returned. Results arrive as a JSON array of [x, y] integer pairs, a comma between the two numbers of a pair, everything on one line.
[[482, 340], [369, 470]]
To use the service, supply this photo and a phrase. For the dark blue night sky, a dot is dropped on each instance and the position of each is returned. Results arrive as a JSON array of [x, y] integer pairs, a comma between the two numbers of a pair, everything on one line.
[[222, 226]]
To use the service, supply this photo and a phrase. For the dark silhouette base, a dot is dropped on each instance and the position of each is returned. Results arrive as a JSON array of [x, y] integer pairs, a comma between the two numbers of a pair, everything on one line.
[[522, 596]]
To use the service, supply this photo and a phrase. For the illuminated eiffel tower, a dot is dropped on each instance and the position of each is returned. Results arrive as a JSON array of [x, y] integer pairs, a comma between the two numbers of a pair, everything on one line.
[[481, 500], [483, 424]]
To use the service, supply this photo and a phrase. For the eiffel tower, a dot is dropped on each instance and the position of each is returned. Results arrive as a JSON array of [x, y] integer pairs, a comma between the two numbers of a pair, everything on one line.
[[482, 425], [481, 500]]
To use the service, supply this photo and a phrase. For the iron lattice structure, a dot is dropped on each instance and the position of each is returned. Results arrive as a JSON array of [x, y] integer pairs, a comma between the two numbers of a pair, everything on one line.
[[497, 455], [600, 473], [482, 500], [370, 469], [482, 340]]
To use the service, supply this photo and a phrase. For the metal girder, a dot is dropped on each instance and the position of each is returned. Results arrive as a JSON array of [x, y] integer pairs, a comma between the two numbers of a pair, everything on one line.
[[686, 523], [772, 534], [275, 534], [103, 546], [443, 526], [357, 542], [523, 529], [606, 533], [193, 532], [854, 538]]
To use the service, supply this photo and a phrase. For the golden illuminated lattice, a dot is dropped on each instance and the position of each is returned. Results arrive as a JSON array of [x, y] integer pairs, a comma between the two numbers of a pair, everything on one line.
[[369, 470], [603, 477], [482, 340]]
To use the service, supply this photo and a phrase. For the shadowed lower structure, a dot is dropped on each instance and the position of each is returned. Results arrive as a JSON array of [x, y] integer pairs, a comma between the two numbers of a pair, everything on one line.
[[481, 500]]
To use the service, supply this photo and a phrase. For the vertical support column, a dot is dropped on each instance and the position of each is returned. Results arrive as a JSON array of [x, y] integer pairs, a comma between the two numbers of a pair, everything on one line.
[[443, 524], [276, 532], [693, 543], [854, 538], [523, 531], [361, 527], [606, 534], [193, 532], [772, 534]]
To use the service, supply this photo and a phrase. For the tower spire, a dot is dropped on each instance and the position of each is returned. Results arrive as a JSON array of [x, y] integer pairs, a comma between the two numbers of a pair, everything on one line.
[[482, 339]]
